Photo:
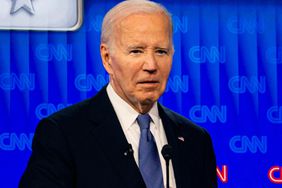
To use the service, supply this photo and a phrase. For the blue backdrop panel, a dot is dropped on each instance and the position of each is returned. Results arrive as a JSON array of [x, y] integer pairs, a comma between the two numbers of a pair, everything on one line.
[[226, 77]]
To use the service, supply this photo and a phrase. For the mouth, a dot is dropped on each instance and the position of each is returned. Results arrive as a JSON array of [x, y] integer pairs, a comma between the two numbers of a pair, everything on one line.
[[149, 83]]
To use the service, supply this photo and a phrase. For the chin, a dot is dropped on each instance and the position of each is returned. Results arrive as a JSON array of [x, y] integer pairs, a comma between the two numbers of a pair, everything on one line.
[[149, 99]]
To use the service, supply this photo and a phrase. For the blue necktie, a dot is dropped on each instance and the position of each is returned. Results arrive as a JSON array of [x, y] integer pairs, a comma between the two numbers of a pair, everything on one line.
[[149, 161]]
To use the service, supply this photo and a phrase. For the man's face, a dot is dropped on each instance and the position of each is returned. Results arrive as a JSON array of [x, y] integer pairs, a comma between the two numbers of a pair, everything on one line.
[[140, 59]]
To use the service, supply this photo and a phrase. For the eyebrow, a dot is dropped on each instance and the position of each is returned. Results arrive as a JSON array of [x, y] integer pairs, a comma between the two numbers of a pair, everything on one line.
[[136, 47], [161, 48], [144, 46]]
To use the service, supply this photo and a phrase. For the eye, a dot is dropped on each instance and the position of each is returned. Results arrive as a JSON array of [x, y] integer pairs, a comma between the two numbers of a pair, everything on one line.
[[162, 52], [136, 51]]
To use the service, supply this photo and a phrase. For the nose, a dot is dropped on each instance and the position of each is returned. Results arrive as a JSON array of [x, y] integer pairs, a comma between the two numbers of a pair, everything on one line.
[[150, 65]]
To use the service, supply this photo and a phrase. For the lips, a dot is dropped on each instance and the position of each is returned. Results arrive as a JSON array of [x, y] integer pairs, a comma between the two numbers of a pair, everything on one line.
[[148, 82]]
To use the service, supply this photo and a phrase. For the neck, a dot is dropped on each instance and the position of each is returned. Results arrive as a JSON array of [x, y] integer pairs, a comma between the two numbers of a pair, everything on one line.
[[143, 108]]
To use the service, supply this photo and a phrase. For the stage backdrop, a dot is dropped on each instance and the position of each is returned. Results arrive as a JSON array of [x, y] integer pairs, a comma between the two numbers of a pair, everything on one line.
[[226, 77]]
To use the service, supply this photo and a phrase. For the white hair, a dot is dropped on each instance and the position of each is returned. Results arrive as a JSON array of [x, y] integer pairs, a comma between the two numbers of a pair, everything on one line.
[[124, 9]]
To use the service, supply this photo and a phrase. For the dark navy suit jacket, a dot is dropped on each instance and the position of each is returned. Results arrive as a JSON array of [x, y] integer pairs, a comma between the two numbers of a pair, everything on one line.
[[83, 146]]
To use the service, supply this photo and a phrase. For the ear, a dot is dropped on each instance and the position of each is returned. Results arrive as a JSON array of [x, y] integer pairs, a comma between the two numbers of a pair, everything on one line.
[[106, 59]]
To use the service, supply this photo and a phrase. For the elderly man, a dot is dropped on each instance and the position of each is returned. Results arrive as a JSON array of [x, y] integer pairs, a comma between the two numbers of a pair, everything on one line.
[[114, 140]]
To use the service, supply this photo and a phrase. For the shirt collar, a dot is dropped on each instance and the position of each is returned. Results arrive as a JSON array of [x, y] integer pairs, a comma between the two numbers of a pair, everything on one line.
[[154, 114]]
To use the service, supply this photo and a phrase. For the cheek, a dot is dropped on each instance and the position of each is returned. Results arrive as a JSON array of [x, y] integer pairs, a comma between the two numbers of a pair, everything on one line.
[[165, 71], [124, 75], [117, 68]]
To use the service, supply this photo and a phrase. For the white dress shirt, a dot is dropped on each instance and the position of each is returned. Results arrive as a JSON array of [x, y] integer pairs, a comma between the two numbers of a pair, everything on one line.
[[127, 118]]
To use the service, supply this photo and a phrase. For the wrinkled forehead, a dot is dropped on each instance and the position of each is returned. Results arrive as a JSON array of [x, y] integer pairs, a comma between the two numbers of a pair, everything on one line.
[[143, 23], [142, 30], [145, 16], [125, 9]]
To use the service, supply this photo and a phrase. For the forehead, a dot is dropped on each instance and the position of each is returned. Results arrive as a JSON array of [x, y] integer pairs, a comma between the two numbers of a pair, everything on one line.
[[145, 17], [137, 21], [144, 26]]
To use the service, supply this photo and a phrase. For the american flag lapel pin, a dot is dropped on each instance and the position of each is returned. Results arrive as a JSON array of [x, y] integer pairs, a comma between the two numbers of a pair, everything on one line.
[[181, 138]]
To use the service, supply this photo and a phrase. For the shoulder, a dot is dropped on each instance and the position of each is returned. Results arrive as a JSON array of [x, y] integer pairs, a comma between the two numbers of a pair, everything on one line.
[[68, 117], [68, 121], [81, 112], [73, 112], [184, 125], [74, 122], [77, 119]]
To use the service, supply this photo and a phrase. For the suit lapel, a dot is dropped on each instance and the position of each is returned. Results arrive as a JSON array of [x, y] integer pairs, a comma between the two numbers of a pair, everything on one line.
[[174, 138], [108, 132]]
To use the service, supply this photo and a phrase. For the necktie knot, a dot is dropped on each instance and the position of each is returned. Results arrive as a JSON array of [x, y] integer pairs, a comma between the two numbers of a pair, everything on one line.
[[144, 121]]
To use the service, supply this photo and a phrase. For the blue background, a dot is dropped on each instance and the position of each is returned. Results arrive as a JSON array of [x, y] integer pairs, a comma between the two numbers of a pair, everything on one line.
[[226, 77]]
